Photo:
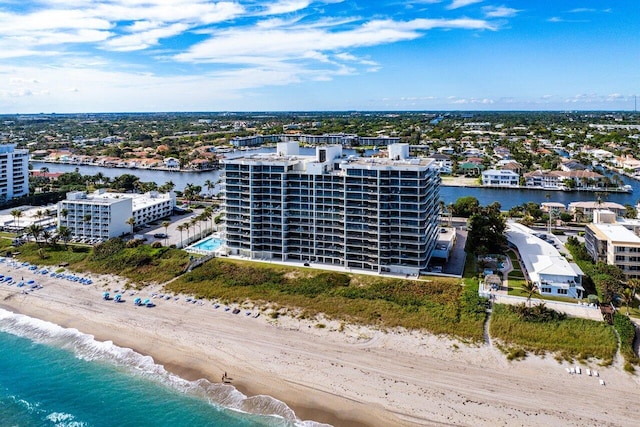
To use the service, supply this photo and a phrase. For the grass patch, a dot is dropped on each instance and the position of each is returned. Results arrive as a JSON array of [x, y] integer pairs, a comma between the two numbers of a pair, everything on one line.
[[571, 338], [440, 306], [142, 264], [627, 333]]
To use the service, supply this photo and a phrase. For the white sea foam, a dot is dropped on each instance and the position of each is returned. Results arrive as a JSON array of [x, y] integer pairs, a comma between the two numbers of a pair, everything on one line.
[[61, 419], [85, 347]]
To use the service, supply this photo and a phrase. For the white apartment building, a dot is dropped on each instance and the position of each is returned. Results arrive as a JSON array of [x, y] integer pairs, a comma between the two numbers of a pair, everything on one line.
[[500, 178], [14, 172], [102, 215], [376, 214], [613, 243]]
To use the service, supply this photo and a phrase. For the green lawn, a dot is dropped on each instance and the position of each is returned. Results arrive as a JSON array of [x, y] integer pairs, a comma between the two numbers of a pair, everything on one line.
[[571, 338]]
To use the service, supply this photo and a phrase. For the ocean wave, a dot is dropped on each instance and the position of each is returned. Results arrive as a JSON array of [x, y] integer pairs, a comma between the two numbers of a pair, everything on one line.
[[85, 347]]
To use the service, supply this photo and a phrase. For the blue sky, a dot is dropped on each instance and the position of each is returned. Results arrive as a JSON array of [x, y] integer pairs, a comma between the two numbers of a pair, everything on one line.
[[250, 55]]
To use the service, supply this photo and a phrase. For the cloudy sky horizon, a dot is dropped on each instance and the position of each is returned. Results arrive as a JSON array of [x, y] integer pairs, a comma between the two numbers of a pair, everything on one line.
[[68, 56]]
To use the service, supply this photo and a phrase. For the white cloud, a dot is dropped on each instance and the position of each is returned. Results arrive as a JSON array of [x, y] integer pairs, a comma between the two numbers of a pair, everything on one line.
[[142, 40], [294, 42], [499, 12], [286, 6], [456, 4]]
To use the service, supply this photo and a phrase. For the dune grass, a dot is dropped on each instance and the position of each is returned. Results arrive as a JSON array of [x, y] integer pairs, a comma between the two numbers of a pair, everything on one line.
[[440, 305], [571, 338], [141, 265]]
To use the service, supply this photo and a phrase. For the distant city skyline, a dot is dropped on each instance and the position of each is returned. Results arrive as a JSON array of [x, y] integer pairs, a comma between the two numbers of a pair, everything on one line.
[[74, 56]]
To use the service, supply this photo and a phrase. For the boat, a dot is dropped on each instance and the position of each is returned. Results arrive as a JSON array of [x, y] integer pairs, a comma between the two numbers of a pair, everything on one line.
[[627, 188]]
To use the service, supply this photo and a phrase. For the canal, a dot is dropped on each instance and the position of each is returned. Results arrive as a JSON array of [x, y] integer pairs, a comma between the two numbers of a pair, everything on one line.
[[506, 197]]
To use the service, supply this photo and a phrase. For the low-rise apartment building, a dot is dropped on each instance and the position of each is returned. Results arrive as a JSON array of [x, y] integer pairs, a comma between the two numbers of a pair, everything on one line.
[[613, 243], [102, 215]]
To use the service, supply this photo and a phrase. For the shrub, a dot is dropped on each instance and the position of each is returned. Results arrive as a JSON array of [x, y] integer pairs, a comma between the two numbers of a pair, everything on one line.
[[156, 245]]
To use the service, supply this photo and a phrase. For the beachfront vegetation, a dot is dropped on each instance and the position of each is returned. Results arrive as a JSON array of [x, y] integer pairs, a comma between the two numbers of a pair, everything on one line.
[[141, 264], [537, 330], [439, 306], [627, 332]]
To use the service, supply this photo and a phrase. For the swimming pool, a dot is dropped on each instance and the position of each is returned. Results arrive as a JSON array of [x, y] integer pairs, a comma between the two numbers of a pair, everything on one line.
[[209, 245]]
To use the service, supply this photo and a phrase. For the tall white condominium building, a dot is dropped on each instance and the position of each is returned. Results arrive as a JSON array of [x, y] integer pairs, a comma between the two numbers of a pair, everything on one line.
[[377, 214], [101, 215], [14, 172]]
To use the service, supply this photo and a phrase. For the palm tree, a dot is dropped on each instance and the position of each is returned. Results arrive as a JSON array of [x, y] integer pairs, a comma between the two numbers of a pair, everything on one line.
[[131, 221], [65, 234], [629, 293], [35, 230], [194, 222], [530, 289], [16, 214], [180, 228], [187, 226], [46, 236], [166, 224], [209, 185], [64, 212]]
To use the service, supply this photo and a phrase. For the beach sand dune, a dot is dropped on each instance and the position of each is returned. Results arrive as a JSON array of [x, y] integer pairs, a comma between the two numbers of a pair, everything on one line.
[[351, 375]]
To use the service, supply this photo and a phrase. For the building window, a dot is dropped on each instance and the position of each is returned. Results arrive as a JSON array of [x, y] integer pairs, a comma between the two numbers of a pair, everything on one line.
[[545, 290], [562, 292]]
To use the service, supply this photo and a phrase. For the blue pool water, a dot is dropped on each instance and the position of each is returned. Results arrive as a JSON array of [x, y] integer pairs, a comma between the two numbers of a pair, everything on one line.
[[209, 245]]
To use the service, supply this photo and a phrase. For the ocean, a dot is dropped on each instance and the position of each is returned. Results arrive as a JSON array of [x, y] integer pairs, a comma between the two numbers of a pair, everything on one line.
[[53, 376]]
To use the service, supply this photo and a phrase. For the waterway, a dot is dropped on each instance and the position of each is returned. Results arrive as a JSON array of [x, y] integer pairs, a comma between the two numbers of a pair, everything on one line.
[[506, 197]]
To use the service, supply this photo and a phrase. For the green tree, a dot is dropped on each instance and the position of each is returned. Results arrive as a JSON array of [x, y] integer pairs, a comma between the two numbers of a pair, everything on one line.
[[65, 234], [16, 214], [131, 221], [486, 230], [530, 289], [35, 230], [466, 206], [166, 225]]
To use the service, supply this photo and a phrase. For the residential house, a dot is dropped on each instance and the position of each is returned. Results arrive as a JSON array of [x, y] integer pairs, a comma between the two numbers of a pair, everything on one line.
[[549, 271], [583, 211], [500, 178], [171, 163]]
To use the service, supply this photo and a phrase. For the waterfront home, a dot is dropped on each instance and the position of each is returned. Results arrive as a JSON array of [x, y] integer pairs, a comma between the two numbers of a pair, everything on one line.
[[443, 162], [583, 211], [511, 165], [572, 165], [500, 178], [549, 271], [628, 163], [171, 163], [608, 241], [470, 169], [560, 180]]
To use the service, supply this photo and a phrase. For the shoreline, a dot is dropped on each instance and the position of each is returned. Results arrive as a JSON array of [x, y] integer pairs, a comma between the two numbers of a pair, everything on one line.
[[345, 375]]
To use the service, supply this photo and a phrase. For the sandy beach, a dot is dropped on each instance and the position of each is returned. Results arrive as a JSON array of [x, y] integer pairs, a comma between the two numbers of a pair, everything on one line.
[[342, 375]]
